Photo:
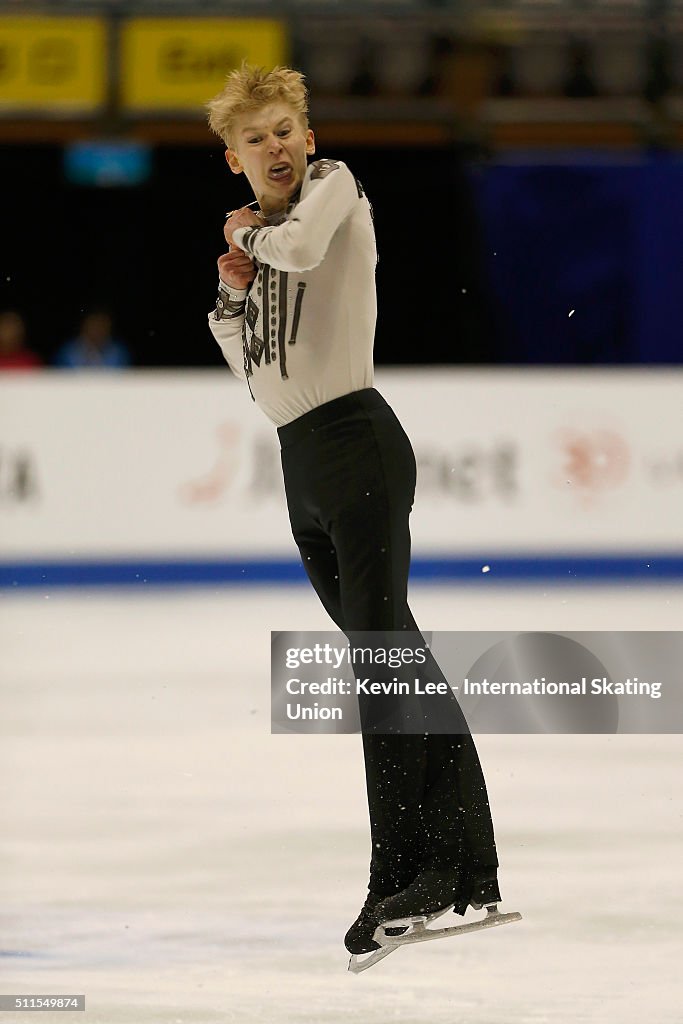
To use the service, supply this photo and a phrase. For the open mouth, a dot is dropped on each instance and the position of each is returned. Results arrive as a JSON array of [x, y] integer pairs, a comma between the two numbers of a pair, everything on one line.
[[280, 172]]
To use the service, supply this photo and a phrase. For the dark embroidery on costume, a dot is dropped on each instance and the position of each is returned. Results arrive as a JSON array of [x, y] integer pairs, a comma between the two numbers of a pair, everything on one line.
[[253, 346], [300, 289], [256, 347], [321, 168], [245, 349], [226, 308], [251, 315], [267, 312], [361, 194], [282, 324], [248, 238], [247, 361], [264, 330]]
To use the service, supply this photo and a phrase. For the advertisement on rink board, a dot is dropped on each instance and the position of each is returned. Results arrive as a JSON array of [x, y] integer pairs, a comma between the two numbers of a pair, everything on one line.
[[183, 465]]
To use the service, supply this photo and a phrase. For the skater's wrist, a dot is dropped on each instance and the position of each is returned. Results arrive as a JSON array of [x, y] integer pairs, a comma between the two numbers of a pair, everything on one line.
[[230, 302], [233, 294]]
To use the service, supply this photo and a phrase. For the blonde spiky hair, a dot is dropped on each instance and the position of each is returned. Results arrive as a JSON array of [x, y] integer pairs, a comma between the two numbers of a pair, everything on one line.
[[250, 88]]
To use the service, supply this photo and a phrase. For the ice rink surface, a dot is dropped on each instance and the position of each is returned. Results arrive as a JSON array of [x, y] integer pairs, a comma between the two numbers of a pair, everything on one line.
[[165, 855]]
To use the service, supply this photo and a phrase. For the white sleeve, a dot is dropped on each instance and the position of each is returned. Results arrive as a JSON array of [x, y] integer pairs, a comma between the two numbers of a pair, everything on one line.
[[225, 323], [300, 243]]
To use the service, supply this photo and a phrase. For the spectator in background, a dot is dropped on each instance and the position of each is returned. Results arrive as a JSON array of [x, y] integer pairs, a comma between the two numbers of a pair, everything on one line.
[[659, 61], [658, 131], [439, 72], [505, 76], [364, 79], [579, 81], [14, 353], [93, 347]]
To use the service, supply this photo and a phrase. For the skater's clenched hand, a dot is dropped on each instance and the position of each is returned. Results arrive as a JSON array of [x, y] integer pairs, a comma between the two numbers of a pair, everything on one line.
[[236, 268], [240, 219]]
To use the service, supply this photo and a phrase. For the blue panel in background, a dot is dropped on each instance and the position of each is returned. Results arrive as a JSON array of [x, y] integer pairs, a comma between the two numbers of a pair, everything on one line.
[[107, 163], [659, 271], [583, 258]]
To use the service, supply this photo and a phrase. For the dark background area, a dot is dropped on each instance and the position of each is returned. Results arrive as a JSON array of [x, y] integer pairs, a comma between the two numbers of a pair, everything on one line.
[[569, 260], [149, 253], [525, 171]]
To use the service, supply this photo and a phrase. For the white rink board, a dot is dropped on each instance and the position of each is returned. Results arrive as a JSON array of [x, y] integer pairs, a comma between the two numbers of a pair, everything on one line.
[[182, 464]]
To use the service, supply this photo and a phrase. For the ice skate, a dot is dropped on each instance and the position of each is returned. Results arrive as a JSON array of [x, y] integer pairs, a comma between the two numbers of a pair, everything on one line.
[[432, 894], [359, 938]]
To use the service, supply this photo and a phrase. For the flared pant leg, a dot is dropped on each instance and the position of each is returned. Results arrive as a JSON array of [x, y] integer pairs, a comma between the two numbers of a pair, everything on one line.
[[350, 475]]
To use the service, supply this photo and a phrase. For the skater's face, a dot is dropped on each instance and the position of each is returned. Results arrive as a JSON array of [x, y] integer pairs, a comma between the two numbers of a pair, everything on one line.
[[270, 146]]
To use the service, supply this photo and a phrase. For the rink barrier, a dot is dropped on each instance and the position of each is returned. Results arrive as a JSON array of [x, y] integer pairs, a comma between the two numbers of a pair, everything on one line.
[[559, 570], [176, 468]]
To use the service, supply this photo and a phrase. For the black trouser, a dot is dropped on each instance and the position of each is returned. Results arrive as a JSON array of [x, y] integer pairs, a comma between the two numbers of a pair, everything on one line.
[[349, 472]]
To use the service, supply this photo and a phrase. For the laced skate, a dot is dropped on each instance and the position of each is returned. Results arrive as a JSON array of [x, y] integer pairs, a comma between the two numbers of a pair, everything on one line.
[[413, 910]]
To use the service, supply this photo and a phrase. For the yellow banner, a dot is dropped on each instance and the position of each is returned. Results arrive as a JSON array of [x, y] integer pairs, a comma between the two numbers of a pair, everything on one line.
[[52, 64], [180, 63]]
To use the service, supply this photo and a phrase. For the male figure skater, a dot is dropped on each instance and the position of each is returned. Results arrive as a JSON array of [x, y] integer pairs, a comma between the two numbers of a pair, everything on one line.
[[295, 317]]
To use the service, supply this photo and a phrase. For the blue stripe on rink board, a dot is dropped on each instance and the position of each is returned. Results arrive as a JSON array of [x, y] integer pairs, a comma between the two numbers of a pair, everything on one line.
[[591, 568]]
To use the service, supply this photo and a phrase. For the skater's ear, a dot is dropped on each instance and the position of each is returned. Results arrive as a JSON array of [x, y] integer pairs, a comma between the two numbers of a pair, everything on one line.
[[233, 161]]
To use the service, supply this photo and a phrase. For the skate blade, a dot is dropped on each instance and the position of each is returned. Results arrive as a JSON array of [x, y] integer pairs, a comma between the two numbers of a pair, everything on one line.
[[417, 930], [357, 964], [388, 943]]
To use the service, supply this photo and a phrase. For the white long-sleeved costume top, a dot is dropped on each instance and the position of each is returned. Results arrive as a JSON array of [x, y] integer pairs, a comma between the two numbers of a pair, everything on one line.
[[303, 332]]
